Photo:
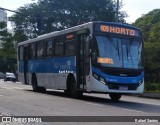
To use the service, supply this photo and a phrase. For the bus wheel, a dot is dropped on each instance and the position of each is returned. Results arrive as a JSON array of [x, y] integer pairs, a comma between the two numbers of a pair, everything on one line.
[[115, 96], [35, 86], [72, 89]]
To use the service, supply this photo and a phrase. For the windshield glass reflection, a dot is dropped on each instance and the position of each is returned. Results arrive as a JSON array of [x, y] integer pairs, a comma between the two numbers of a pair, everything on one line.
[[118, 52]]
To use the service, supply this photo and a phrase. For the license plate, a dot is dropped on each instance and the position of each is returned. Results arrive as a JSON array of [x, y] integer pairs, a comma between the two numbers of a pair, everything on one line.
[[123, 87]]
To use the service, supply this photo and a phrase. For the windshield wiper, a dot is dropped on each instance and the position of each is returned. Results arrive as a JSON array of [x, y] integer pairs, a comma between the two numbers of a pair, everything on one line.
[[128, 51], [118, 49]]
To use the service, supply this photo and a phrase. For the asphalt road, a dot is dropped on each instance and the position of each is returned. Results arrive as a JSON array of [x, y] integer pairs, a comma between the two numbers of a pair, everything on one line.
[[19, 100]]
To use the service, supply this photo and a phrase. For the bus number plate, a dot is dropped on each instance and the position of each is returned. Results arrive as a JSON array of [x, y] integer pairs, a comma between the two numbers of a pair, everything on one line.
[[123, 87]]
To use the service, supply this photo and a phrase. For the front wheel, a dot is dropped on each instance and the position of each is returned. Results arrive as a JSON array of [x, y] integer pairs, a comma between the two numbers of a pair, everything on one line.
[[115, 96], [72, 90]]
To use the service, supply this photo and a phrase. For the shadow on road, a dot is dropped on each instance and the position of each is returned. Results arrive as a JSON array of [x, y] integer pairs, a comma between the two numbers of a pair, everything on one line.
[[138, 106]]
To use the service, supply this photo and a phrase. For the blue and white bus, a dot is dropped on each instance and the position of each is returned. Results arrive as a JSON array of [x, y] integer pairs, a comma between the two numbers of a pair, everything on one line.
[[96, 57]]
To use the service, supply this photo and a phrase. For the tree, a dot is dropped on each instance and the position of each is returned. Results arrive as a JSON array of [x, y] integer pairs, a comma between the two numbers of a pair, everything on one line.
[[51, 15], [150, 25], [7, 50]]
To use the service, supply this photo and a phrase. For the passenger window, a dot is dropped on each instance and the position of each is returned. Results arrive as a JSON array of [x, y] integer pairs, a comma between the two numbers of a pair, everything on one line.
[[40, 49], [32, 51], [49, 49], [59, 48], [69, 48]]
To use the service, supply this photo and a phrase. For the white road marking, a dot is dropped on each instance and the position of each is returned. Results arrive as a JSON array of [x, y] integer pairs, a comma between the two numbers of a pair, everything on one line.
[[94, 104], [6, 87], [63, 99], [17, 88], [149, 103], [1, 95], [145, 102], [133, 110], [12, 88]]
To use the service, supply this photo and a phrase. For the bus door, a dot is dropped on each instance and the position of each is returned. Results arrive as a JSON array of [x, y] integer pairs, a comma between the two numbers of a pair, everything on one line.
[[26, 57], [82, 60]]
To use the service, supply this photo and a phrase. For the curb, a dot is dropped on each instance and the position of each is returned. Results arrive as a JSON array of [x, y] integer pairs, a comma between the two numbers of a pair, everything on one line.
[[150, 95]]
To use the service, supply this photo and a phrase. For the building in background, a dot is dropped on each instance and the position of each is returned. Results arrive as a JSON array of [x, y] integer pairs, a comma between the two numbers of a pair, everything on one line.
[[3, 18]]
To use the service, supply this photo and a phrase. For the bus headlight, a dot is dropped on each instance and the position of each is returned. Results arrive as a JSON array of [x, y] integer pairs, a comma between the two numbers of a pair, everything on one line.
[[95, 76], [141, 81], [102, 80]]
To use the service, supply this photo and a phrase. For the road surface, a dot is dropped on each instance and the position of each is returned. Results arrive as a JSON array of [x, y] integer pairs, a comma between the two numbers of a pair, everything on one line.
[[17, 99]]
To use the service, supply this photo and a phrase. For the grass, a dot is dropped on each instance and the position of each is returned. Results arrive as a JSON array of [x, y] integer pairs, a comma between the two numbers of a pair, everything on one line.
[[152, 87]]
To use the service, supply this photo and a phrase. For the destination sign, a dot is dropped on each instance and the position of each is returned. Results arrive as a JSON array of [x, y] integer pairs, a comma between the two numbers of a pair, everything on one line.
[[105, 60], [117, 30], [70, 36]]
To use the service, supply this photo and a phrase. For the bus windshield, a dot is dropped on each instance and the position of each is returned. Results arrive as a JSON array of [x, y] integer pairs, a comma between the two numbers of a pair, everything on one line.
[[119, 52]]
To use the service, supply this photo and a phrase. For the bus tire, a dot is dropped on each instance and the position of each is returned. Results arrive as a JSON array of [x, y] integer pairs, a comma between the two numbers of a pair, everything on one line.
[[115, 96], [35, 86], [72, 90]]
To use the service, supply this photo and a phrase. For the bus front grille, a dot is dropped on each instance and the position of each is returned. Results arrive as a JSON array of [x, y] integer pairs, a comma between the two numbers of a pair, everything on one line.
[[114, 86]]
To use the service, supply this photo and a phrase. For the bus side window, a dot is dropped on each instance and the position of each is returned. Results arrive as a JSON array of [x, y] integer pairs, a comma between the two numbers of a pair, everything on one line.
[[32, 51], [49, 48], [21, 53], [40, 49], [70, 48], [59, 47]]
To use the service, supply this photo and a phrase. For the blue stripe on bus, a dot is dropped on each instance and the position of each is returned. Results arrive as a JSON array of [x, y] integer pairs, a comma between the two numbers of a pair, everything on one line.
[[50, 65], [117, 79]]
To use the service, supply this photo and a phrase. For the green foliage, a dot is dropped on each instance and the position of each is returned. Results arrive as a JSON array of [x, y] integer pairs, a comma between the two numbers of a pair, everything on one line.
[[152, 87], [51, 15], [7, 50], [150, 25]]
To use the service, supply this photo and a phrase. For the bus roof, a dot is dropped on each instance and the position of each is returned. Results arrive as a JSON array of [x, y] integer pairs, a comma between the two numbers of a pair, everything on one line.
[[72, 29], [55, 33]]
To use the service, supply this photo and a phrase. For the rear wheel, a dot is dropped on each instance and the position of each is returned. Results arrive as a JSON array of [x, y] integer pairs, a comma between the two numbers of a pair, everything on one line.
[[115, 96], [35, 86]]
